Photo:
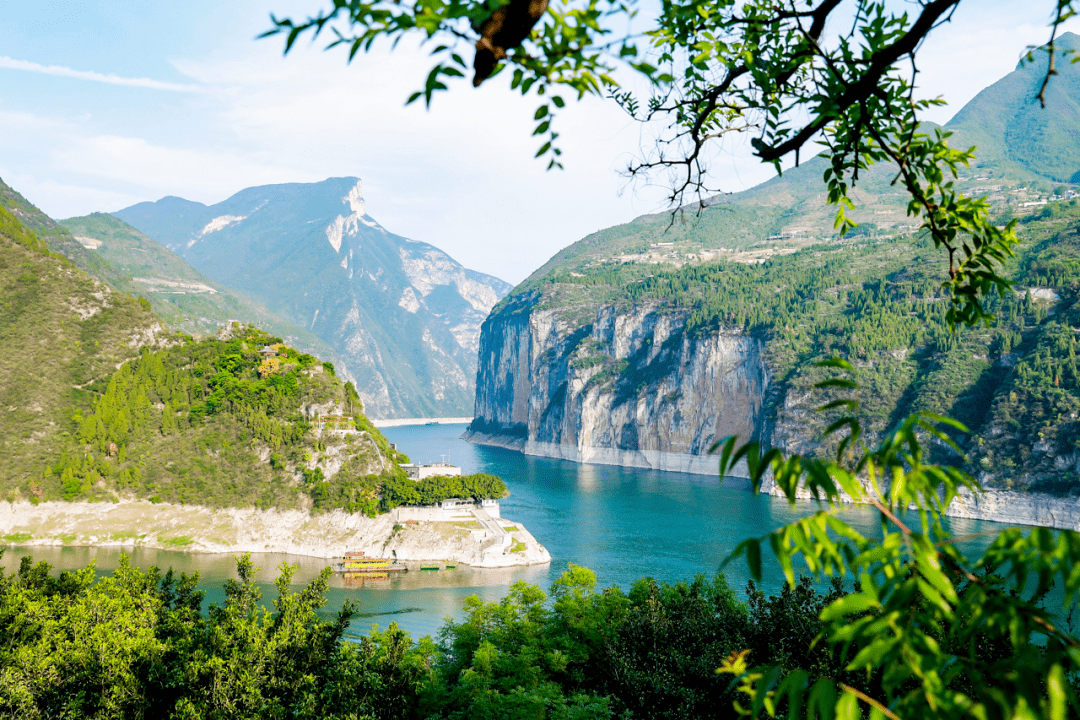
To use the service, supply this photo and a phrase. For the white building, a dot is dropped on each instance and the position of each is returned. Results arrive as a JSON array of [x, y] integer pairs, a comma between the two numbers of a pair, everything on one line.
[[420, 472]]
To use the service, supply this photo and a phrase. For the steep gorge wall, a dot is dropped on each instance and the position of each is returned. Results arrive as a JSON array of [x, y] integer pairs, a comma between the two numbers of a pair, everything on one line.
[[624, 388], [631, 387]]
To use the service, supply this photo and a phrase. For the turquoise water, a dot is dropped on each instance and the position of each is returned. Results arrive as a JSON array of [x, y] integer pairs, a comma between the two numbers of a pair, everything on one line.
[[622, 523]]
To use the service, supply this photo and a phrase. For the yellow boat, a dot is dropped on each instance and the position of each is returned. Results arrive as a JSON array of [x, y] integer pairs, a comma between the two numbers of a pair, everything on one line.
[[359, 562]]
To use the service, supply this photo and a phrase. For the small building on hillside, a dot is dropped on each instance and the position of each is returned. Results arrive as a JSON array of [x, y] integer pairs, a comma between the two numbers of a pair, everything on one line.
[[267, 352], [337, 424], [421, 472]]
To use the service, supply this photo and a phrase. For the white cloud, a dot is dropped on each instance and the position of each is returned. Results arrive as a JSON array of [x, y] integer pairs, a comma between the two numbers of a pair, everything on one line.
[[81, 199], [461, 176], [67, 169], [61, 71]]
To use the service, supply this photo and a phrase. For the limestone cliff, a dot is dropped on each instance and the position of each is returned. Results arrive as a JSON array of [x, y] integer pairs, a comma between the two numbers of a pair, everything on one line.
[[617, 387], [629, 384]]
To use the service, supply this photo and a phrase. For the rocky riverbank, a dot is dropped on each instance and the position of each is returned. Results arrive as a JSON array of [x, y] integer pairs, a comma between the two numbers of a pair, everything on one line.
[[1005, 506], [456, 536]]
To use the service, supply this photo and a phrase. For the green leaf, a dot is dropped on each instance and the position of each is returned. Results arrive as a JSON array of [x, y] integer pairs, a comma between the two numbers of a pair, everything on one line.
[[753, 558], [847, 707], [848, 605], [822, 701], [1057, 689], [837, 382]]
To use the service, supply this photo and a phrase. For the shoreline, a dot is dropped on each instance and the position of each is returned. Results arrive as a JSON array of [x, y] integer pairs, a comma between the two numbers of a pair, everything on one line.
[[994, 505], [437, 536], [589, 455], [399, 422]]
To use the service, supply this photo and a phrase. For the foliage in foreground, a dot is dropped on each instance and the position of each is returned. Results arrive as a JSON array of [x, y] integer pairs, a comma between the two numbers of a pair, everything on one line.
[[136, 644], [939, 634]]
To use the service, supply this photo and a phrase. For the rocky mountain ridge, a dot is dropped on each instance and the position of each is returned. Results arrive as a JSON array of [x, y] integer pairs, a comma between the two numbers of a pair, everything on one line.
[[402, 315]]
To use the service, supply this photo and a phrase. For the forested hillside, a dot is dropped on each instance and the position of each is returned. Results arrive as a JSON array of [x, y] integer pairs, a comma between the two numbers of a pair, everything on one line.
[[101, 403], [875, 301], [645, 343], [62, 332]]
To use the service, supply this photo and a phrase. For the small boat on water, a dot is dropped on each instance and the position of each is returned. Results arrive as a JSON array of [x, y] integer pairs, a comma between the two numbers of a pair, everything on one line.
[[358, 562], [451, 566], [429, 567]]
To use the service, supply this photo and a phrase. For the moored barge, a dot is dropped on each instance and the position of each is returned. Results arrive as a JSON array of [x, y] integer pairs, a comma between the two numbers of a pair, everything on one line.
[[360, 563]]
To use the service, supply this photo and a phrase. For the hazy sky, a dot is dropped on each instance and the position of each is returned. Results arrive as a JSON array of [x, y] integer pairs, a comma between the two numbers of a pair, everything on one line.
[[107, 103]]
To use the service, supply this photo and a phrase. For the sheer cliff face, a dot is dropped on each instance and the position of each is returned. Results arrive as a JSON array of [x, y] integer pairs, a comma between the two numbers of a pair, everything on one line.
[[629, 388]]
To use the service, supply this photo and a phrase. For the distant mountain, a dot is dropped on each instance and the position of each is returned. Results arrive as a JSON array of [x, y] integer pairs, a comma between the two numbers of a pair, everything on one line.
[[1014, 133], [127, 261], [403, 315], [180, 295]]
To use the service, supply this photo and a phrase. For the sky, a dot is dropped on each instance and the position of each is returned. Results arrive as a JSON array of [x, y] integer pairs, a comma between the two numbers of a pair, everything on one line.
[[107, 103]]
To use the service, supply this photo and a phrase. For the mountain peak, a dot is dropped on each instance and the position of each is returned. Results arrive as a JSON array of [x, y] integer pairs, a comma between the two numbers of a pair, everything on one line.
[[1014, 132], [1065, 44], [404, 316]]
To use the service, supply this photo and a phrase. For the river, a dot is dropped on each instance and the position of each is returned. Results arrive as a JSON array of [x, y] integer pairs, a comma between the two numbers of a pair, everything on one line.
[[623, 523]]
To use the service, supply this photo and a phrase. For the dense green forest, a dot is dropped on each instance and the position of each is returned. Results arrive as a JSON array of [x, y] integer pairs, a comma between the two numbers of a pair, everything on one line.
[[230, 421], [103, 404], [878, 302], [433, 490], [135, 644], [61, 331]]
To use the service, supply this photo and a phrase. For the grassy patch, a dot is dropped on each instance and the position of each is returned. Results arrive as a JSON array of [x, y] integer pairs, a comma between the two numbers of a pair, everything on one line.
[[518, 547], [125, 535], [469, 525], [176, 541], [18, 537], [68, 539], [510, 528]]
